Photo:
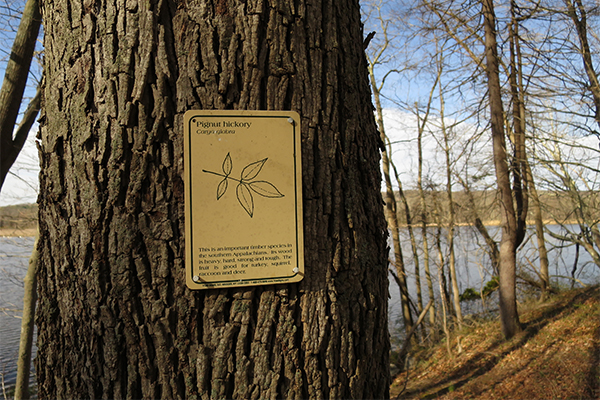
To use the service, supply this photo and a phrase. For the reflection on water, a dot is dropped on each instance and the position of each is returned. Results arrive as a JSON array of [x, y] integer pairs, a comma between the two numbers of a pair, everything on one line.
[[14, 259]]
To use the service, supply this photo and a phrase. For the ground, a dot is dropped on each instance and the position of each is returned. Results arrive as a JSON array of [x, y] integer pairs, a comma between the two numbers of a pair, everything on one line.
[[557, 356]]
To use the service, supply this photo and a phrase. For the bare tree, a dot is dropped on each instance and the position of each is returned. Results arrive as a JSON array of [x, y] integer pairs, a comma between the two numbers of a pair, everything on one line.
[[578, 14], [576, 185], [451, 214], [13, 88], [524, 185], [510, 229], [424, 218]]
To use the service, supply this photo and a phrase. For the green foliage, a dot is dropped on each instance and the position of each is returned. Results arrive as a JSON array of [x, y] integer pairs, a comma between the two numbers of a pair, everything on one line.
[[491, 286], [472, 294], [469, 294]]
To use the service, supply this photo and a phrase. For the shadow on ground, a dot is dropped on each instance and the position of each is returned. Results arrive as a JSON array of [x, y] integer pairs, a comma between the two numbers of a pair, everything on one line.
[[556, 356]]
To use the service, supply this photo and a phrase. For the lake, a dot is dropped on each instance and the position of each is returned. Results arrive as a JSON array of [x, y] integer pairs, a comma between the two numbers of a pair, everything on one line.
[[14, 259]]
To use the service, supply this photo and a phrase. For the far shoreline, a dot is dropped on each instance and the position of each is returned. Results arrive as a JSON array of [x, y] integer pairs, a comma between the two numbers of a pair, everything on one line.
[[18, 232], [32, 232]]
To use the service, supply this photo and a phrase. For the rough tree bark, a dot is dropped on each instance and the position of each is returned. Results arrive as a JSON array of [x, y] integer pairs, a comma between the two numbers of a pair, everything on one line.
[[115, 318]]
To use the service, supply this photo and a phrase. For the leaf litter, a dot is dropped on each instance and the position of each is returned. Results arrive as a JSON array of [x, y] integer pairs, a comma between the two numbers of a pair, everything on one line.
[[557, 356]]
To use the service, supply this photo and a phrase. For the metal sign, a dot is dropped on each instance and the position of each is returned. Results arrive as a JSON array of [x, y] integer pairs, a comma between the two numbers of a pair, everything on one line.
[[243, 191]]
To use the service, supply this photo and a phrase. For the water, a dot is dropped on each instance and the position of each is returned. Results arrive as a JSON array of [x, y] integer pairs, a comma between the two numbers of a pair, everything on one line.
[[14, 259], [474, 270]]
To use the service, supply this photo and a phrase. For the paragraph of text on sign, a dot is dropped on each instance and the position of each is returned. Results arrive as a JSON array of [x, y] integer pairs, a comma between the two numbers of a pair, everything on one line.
[[223, 261]]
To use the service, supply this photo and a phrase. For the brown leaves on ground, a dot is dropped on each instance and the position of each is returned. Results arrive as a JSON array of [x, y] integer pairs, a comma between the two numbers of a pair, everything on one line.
[[557, 356]]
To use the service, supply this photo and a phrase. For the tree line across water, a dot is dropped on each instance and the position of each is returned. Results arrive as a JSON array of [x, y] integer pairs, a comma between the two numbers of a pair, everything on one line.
[[25, 216]]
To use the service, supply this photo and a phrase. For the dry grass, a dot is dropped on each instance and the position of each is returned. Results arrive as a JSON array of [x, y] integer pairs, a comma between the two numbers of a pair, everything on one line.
[[557, 356]]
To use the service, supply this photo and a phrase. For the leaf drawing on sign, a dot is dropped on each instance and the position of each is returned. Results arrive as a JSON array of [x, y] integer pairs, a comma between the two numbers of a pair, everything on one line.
[[222, 188], [245, 198], [265, 189], [246, 184], [227, 165], [250, 171]]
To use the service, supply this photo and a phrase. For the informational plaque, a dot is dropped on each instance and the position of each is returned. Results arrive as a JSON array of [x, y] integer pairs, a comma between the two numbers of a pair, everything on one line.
[[243, 204]]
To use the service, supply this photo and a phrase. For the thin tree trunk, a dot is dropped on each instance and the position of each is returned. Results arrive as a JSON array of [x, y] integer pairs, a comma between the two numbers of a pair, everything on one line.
[[508, 303], [519, 161], [424, 218], [406, 346], [491, 245], [518, 96], [115, 318], [27, 326], [411, 235], [443, 257], [391, 211], [536, 209], [451, 216], [444, 297], [575, 263]]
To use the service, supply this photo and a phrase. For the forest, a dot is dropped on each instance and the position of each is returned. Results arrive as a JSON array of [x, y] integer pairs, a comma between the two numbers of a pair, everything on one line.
[[498, 104], [486, 119]]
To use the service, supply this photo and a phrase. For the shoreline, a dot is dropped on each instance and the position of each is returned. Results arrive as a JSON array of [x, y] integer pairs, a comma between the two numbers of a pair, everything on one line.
[[18, 232], [492, 222], [32, 232]]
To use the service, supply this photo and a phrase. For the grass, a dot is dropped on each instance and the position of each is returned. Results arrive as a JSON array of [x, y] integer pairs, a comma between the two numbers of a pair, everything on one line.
[[557, 356]]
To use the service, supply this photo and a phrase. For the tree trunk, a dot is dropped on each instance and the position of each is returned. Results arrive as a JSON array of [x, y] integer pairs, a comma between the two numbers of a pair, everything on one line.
[[491, 247], [443, 292], [27, 327], [411, 235], [391, 211], [578, 15], [451, 212], [523, 167], [115, 317], [508, 301], [13, 87], [519, 160], [424, 219]]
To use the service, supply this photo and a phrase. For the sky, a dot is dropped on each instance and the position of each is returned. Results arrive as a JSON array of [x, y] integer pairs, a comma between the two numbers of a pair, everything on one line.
[[21, 184]]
